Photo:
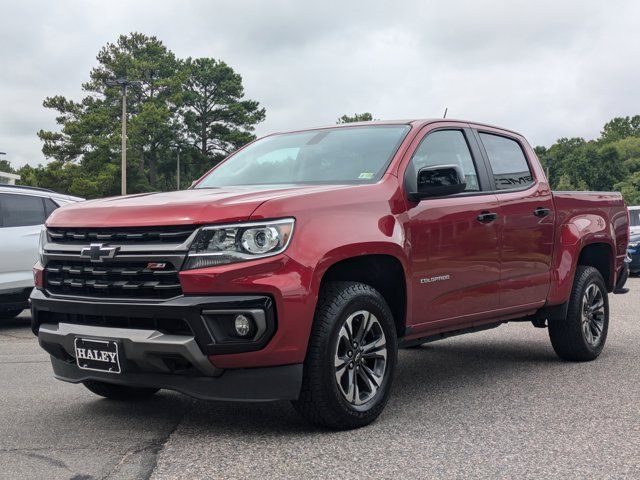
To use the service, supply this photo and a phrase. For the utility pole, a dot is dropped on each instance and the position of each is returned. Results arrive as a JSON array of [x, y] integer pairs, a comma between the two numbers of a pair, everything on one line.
[[123, 83]]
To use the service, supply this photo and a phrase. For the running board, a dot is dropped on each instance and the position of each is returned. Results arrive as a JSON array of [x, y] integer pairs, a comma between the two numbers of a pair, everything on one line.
[[441, 336]]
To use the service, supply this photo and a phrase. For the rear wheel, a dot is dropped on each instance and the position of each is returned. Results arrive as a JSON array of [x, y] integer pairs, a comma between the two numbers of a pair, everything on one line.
[[581, 336], [351, 358], [119, 392]]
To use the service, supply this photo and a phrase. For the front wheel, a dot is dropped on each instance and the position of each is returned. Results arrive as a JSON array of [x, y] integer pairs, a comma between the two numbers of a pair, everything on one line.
[[351, 358], [582, 334]]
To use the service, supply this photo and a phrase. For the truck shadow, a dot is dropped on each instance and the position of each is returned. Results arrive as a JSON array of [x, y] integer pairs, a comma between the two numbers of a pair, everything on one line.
[[434, 375]]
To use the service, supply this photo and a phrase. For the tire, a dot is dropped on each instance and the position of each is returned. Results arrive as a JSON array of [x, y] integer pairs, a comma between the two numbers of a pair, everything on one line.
[[9, 314], [581, 336], [329, 397], [119, 392]]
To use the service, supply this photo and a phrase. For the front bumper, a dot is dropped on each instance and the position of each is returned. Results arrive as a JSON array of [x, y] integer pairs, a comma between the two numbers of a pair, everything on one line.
[[155, 358]]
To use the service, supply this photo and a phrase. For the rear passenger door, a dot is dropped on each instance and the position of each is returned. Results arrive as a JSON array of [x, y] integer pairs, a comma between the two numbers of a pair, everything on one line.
[[526, 207]]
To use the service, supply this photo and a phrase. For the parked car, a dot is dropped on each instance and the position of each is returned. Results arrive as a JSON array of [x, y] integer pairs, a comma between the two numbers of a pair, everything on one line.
[[634, 219], [634, 254], [23, 211], [296, 268]]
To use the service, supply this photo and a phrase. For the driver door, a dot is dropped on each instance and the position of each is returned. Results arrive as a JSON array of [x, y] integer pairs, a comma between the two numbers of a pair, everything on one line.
[[454, 245]]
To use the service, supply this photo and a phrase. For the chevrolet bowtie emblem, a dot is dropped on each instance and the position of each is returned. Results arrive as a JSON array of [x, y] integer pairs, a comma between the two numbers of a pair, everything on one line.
[[98, 252]]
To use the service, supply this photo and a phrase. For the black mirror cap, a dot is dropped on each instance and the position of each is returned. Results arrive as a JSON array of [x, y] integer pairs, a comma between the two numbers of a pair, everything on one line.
[[439, 181]]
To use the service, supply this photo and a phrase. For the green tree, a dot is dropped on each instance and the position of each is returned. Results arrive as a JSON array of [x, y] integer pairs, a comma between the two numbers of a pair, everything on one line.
[[356, 117], [619, 128], [217, 119], [197, 104], [5, 166], [630, 189]]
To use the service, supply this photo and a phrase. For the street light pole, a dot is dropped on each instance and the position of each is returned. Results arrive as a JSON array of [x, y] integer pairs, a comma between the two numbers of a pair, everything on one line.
[[123, 83], [178, 169], [123, 177]]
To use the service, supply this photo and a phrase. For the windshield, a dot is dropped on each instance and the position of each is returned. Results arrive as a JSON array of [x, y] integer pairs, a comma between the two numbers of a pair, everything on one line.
[[634, 218], [332, 155]]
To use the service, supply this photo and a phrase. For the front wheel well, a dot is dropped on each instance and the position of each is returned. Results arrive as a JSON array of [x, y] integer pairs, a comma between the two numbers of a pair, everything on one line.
[[600, 257], [382, 272]]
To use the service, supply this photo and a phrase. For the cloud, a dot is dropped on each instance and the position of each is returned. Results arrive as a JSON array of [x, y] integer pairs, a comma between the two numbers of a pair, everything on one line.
[[548, 69]]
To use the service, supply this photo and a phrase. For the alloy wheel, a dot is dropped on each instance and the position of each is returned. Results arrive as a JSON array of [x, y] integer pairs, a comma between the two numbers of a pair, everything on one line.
[[593, 314], [360, 357]]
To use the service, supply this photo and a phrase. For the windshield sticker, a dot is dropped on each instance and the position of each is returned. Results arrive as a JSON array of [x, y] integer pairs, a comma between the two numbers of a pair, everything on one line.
[[366, 175]]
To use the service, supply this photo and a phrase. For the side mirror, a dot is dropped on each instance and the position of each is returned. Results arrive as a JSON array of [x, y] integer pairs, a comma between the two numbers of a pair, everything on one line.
[[439, 181]]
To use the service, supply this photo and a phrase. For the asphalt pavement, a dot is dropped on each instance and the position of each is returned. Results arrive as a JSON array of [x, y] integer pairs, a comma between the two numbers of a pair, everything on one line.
[[494, 404]]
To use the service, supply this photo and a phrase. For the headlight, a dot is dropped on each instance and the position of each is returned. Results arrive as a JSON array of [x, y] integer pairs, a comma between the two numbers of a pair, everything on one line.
[[220, 245], [43, 240]]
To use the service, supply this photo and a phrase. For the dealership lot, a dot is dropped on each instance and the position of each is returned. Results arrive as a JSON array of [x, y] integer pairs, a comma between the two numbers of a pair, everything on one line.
[[492, 404]]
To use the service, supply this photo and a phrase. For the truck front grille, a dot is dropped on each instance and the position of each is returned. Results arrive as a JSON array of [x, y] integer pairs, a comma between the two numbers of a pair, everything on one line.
[[152, 280], [121, 236]]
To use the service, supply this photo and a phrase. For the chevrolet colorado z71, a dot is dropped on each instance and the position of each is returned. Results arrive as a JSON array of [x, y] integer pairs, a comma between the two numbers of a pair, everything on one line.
[[296, 268]]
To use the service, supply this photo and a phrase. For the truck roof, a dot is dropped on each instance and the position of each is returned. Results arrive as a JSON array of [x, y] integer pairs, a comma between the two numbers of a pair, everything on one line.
[[416, 122]]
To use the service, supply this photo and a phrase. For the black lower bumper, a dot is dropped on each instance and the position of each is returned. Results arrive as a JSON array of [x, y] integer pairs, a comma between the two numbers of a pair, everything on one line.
[[248, 385]]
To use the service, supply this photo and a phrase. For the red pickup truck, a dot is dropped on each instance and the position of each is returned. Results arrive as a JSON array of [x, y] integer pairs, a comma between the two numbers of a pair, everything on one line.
[[296, 268]]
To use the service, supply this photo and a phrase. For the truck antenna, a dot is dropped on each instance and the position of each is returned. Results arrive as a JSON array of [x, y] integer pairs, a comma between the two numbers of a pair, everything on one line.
[[445, 112]]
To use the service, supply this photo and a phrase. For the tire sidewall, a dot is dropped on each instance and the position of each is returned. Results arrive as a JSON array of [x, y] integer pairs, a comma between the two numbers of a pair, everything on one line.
[[594, 277], [382, 313]]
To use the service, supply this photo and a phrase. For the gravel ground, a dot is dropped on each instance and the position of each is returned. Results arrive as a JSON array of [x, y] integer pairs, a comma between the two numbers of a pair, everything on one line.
[[491, 404]]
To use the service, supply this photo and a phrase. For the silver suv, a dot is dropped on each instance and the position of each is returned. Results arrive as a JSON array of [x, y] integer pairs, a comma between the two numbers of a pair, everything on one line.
[[23, 211]]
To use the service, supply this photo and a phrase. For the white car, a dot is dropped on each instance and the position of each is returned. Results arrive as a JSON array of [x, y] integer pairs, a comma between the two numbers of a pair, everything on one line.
[[634, 220], [23, 211]]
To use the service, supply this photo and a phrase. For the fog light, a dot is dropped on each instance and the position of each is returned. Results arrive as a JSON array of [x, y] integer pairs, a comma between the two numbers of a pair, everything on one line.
[[243, 325]]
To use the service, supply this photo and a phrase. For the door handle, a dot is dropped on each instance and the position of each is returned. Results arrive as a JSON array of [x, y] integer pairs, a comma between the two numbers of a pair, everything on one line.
[[541, 212], [487, 217]]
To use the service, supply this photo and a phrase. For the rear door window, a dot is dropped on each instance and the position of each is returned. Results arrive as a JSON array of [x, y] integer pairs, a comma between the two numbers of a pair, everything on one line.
[[21, 210], [508, 163]]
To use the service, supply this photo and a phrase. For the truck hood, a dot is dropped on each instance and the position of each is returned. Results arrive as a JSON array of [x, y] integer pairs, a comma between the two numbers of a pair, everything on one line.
[[185, 207]]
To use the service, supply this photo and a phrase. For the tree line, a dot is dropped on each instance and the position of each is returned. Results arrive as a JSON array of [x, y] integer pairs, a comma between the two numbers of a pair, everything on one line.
[[610, 162]]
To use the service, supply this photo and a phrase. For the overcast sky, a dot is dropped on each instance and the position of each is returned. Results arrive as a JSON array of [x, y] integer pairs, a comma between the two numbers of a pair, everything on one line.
[[547, 68]]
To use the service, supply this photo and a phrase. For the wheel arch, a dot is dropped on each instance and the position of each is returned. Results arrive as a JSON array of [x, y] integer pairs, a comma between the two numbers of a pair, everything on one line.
[[599, 255], [382, 271]]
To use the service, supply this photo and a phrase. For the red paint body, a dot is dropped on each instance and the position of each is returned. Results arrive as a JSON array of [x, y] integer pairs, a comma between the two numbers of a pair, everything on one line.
[[506, 269]]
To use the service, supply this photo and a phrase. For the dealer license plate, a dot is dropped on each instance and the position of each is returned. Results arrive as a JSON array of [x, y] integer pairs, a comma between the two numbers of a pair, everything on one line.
[[97, 355]]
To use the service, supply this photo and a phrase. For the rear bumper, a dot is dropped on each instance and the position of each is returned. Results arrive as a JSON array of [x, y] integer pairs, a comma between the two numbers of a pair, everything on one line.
[[14, 299], [622, 279]]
